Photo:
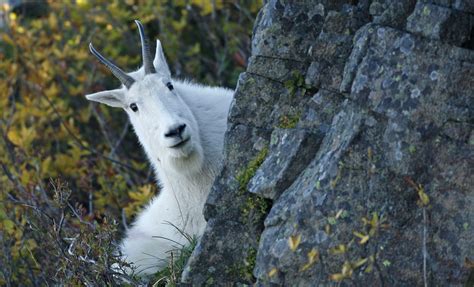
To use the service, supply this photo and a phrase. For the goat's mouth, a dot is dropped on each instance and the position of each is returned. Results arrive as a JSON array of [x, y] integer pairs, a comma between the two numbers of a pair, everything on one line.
[[181, 143]]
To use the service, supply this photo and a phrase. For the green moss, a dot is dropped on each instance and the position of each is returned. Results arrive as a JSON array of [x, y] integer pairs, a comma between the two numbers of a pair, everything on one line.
[[250, 261], [209, 282], [244, 269], [245, 175], [255, 205], [426, 11], [253, 209], [289, 121], [296, 82]]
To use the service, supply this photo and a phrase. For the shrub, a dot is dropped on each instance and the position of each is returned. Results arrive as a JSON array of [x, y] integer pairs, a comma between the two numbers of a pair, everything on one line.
[[72, 174]]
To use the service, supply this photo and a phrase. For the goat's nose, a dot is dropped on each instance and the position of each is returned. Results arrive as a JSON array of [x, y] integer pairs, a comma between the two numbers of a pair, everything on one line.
[[176, 132]]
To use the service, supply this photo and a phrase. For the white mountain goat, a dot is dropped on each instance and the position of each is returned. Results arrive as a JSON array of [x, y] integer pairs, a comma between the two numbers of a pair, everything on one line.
[[181, 126]]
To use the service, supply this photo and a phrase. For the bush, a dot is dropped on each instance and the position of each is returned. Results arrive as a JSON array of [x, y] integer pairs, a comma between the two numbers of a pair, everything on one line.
[[73, 174]]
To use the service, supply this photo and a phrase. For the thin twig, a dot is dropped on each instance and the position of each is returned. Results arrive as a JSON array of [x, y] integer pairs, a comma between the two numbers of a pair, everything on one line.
[[425, 252], [103, 129], [124, 220], [121, 137]]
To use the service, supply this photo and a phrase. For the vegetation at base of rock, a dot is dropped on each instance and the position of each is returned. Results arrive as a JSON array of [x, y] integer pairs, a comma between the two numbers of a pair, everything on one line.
[[171, 275], [49, 130]]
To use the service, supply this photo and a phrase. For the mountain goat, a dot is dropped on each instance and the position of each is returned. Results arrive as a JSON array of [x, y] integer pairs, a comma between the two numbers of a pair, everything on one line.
[[181, 127]]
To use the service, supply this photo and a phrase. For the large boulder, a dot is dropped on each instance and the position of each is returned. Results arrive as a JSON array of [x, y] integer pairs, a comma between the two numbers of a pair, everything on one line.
[[349, 152]]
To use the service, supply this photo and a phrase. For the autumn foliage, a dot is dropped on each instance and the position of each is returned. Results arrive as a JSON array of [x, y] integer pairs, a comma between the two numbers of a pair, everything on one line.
[[72, 175]]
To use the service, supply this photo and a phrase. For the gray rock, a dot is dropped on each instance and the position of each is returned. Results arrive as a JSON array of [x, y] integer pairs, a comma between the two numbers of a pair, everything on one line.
[[281, 24], [440, 23], [280, 70], [290, 152], [222, 256], [333, 46], [391, 13], [463, 5], [359, 132]]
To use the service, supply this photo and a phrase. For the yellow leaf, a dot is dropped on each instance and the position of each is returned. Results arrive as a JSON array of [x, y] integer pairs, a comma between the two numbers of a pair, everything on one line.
[[7, 39], [207, 6], [52, 91], [272, 272], [363, 238], [327, 229], [31, 244], [46, 166], [359, 263], [25, 177], [340, 249], [347, 269], [294, 241], [23, 137], [337, 277], [53, 21], [65, 164], [370, 266], [8, 226], [139, 198], [313, 255], [375, 219], [14, 137], [81, 3], [312, 258], [423, 197]]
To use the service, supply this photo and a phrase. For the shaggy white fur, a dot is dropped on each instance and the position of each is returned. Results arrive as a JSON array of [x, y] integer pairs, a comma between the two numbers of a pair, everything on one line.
[[181, 129]]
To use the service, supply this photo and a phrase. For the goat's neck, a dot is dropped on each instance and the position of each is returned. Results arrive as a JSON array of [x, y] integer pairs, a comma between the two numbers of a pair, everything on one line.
[[186, 187]]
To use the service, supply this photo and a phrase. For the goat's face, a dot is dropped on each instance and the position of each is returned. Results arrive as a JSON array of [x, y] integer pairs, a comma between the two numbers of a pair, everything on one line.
[[161, 118]]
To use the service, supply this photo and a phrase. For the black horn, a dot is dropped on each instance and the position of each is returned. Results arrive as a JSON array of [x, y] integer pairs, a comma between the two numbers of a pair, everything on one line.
[[147, 61], [126, 80]]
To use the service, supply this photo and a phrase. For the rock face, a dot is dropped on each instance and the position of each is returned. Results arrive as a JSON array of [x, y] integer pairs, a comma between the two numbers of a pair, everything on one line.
[[349, 152]]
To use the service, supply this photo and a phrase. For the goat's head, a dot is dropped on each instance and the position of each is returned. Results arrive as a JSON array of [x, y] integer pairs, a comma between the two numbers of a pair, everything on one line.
[[161, 118]]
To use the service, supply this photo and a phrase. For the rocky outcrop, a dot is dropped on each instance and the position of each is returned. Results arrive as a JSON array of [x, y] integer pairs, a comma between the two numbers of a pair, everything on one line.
[[349, 151]]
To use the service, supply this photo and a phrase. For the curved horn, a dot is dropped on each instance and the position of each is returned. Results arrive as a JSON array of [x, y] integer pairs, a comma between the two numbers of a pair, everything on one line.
[[126, 80], [147, 61]]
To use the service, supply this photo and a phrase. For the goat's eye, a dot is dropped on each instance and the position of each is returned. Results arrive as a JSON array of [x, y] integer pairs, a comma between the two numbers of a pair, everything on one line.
[[134, 107], [170, 86]]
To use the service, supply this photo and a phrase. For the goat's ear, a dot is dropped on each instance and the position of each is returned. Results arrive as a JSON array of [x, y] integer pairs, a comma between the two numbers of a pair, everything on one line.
[[114, 98], [160, 61]]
